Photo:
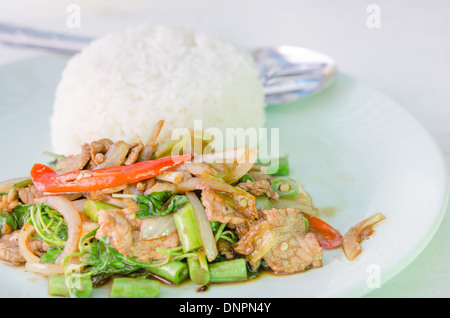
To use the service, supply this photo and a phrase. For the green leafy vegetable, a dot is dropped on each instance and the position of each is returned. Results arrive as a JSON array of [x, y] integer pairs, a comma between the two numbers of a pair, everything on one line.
[[8, 220], [245, 178], [51, 255], [220, 232], [159, 203], [49, 224], [16, 219], [21, 213]]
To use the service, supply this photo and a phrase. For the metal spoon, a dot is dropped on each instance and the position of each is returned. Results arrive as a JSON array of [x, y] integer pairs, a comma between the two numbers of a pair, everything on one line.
[[288, 73]]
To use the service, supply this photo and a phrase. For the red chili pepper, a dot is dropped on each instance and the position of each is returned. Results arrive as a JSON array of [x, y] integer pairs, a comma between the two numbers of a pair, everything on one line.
[[327, 236], [47, 180]]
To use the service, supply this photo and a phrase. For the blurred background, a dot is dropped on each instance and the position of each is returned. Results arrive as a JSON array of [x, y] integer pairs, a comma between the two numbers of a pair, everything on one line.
[[400, 47]]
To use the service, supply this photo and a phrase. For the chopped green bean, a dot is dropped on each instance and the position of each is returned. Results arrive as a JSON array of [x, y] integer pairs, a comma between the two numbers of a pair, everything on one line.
[[175, 271], [286, 188], [125, 287], [228, 271], [187, 228], [198, 269], [57, 286]]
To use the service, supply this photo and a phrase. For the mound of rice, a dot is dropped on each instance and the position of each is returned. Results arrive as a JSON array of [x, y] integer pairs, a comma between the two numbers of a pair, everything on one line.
[[124, 82]]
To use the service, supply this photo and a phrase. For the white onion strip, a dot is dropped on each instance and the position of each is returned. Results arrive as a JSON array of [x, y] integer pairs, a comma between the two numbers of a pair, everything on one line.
[[204, 227], [6, 185], [45, 268], [32, 264], [157, 227], [354, 236], [72, 218], [27, 254]]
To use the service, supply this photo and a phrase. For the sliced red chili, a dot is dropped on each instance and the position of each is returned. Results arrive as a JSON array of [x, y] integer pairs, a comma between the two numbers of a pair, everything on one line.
[[327, 236], [47, 180]]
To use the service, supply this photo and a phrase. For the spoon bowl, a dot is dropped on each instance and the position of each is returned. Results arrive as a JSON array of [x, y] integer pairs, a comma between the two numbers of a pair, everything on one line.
[[289, 73]]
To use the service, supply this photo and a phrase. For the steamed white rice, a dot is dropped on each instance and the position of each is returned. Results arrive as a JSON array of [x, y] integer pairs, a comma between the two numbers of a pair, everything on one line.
[[123, 83]]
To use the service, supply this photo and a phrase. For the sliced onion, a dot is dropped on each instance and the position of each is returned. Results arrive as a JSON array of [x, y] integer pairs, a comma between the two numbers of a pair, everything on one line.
[[79, 204], [45, 268], [151, 146], [72, 218], [238, 154], [116, 202], [171, 176], [162, 186], [24, 235], [204, 184], [115, 156], [156, 227], [204, 227], [242, 168], [197, 169], [7, 184], [354, 236], [32, 264]]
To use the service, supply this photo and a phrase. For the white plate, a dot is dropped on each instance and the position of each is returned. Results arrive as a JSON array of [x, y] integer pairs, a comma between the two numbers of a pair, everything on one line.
[[356, 151]]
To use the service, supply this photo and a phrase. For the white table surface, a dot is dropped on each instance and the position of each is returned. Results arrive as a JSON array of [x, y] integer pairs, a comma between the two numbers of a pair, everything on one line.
[[407, 57]]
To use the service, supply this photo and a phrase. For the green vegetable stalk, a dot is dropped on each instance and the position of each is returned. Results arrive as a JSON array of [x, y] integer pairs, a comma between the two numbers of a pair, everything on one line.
[[187, 228], [125, 287], [286, 188], [228, 271], [156, 203], [57, 286], [276, 167], [175, 271], [198, 269]]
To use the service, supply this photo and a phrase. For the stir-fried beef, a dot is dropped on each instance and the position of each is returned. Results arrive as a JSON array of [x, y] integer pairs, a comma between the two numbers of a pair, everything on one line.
[[133, 154], [74, 162], [295, 251], [9, 249], [98, 149], [279, 238], [220, 206], [126, 241], [260, 187], [28, 194]]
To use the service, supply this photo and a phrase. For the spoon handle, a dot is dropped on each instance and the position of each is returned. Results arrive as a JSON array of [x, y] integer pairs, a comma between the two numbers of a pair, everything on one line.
[[32, 38]]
